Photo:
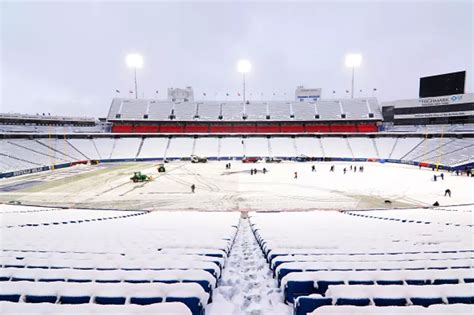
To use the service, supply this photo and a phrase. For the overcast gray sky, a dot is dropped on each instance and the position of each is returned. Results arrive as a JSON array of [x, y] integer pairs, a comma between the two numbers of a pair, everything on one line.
[[68, 57]]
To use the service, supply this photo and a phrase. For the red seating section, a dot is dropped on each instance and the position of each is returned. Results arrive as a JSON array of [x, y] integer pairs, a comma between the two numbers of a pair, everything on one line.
[[250, 127]]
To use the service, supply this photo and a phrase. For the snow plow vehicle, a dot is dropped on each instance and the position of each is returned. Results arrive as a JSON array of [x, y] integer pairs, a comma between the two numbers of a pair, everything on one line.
[[250, 160], [303, 158], [138, 177], [198, 159], [272, 160]]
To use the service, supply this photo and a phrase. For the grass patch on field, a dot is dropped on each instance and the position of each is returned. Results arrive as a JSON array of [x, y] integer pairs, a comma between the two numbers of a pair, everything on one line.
[[97, 176]]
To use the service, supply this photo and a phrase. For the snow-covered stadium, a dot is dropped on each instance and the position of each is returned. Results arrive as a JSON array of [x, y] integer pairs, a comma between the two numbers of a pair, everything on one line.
[[338, 200], [79, 236]]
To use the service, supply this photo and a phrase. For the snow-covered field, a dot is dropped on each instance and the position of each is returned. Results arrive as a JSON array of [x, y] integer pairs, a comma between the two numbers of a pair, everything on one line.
[[237, 262], [109, 186]]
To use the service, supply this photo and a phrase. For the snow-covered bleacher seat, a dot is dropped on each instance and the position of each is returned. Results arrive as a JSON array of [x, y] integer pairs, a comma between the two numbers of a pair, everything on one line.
[[175, 308], [329, 109], [448, 152], [374, 258], [256, 146], [159, 110], [133, 110], [231, 147], [86, 147], [310, 146], [459, 309], [279, 110], [283, 147], [70, 256], [153, 147], [232, 111], [303, 110], [256, 111], [386, 296], [363, 147], [209, 110], [104, 147], [207, 147], [385, 146], [180, 147], [184, 110], [190, 294], [125, 148], [336, 147], [403, 146]]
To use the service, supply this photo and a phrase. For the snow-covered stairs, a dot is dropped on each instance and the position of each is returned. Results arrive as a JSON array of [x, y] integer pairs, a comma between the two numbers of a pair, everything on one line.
[[247, 285]]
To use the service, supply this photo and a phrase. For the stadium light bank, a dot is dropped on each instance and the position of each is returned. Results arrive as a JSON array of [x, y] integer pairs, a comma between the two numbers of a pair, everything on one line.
[[353, 61], [244, 66], [134, 61]]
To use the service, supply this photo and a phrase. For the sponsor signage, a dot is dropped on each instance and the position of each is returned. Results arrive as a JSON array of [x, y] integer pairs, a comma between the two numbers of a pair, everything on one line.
[[433, 101], [429, 115]]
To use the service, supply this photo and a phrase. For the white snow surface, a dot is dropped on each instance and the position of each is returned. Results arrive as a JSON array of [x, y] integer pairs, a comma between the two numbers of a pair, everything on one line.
[[247, 285], [217, 188]]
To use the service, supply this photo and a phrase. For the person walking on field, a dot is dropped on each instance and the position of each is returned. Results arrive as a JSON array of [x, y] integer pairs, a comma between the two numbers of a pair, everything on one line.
[[447, 192], [193, 187], [313, 168], [296, 175]]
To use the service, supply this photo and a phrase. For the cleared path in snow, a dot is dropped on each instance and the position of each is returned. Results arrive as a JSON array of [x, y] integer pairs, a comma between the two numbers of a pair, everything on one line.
[[247, 285]]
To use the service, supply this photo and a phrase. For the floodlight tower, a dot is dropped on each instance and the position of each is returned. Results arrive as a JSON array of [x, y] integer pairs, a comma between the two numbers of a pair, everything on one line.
[[353, 61], [134, 61], [244, 66]]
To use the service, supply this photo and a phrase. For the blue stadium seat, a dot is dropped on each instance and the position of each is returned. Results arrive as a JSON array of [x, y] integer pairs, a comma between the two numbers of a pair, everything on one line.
[[425, 302], [10, 297], [193, 303], [203, 283], [51, 280], [361, 282], [112, 300], [389, 282], [461, 299], [323, 285], [353, 301], [297, 288], [390, 301], [31, 298], [307, 304], [69, 299], [284, 271], [145, 300], [417, 282], [445, 281], [20, 278]]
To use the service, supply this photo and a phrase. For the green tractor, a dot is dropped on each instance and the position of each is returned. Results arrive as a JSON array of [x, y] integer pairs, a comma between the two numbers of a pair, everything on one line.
[[139, 177]]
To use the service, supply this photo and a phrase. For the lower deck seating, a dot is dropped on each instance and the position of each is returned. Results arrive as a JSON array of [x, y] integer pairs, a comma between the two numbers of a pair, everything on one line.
[[160, 258], [365, 264], [458, 309], [190, 294], [174, 308]]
